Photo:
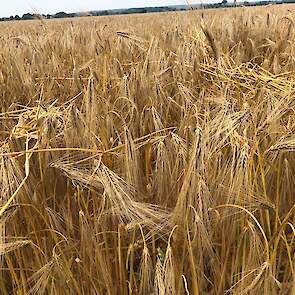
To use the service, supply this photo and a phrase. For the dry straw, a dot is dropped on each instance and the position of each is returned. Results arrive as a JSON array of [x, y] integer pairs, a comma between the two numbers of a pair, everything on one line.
[[148, 154]]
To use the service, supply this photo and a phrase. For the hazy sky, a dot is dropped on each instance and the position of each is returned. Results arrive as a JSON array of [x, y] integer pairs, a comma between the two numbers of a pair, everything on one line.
[[13, 7]]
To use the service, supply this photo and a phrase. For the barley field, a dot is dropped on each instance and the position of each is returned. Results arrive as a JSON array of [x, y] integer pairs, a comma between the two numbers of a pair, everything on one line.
[[149, 154]]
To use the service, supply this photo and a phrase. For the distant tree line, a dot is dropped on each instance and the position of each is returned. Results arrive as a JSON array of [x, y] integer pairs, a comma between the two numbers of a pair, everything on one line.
[[29, 16], [138, 10]]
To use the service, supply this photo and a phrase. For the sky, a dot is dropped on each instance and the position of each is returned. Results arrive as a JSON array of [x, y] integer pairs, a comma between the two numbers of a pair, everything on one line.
[[13, 7]]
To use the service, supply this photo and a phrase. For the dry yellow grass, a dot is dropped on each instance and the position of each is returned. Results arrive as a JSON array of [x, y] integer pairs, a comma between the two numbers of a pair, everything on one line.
[[148, 154]]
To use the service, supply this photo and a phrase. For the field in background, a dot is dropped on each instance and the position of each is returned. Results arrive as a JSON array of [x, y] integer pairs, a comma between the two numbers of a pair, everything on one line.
[[148, 154]]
